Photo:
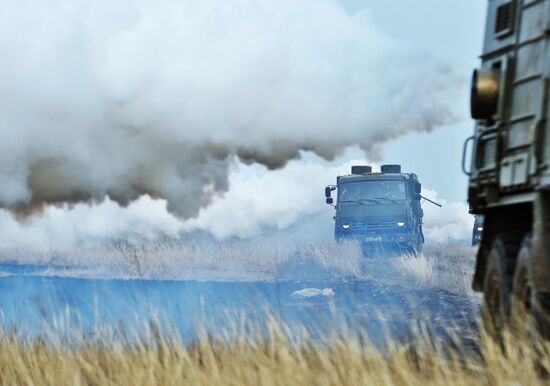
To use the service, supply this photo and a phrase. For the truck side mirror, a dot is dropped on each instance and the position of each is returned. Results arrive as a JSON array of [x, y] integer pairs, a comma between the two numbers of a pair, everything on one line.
[[329, 200], [418, 188], [329, 189]]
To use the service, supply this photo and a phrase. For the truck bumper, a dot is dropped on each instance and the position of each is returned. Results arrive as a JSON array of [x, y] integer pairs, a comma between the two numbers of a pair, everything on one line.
[[395, 241]]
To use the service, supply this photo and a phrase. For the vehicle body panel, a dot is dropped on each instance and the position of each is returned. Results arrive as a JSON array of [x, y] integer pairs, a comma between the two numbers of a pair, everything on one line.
[[380, 210], [509, 178]]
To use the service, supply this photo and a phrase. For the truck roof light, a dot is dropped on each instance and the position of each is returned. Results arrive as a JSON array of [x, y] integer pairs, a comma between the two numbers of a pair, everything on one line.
[[361, 169], [390, 168]]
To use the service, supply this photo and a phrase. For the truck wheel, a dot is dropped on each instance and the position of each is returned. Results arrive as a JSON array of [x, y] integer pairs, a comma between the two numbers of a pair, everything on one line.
[[418, 250], [522, 299], [527, 309], [413, 251], [498, 283]]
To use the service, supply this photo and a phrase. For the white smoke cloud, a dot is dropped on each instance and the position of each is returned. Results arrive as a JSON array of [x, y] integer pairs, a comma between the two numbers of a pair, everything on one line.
[[275, 200], [143, 220], [121, 99], [451, 222], [282, 199], [283, 207]]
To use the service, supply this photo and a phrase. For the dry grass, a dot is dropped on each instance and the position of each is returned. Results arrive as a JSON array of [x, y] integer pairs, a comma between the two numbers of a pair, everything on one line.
[[193, 259], [273, 357]]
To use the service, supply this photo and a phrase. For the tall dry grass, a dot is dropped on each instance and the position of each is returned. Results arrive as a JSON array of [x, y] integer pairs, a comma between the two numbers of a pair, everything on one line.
[[271, 357]]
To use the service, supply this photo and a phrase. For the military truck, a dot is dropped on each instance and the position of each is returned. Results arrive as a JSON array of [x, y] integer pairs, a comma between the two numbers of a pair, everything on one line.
[[509, 176], [380, 210], [478, 229]]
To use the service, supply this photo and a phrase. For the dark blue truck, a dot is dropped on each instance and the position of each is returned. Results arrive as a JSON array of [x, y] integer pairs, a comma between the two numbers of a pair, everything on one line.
[[381, 210]]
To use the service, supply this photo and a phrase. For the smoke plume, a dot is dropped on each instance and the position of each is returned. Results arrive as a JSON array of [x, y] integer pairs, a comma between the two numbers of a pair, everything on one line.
[[281, 208], [121, 99]]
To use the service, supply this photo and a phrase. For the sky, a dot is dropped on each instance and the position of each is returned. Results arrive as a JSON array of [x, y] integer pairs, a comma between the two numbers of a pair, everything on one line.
[[234, 116], [450, 30]]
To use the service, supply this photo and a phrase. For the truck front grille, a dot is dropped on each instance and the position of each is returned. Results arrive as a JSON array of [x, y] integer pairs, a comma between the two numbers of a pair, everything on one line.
[[373, 225]]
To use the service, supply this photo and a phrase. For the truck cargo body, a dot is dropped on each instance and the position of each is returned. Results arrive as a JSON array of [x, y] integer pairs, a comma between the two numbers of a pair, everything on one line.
[[509, 177]]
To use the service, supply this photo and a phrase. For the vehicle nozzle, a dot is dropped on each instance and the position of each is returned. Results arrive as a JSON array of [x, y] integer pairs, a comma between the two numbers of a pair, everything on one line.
[[430, 201]]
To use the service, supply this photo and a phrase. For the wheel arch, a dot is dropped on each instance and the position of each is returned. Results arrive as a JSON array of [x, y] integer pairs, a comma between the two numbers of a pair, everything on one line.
[[510, 218]]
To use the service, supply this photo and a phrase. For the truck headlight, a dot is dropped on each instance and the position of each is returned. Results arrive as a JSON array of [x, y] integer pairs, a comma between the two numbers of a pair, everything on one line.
[[401, 224], [479, 229], [345, 226]]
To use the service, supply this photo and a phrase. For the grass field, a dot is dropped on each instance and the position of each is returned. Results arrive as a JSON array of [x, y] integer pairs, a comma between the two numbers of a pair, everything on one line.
[[273, 357], [272, 353]]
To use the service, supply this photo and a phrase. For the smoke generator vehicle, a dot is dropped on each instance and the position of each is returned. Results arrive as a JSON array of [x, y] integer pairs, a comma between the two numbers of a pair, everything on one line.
[[478, 229], [509, 176], [380, 210]]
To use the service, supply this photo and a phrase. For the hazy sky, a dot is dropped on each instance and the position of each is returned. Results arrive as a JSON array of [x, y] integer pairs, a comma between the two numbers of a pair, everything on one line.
[[451, 31]]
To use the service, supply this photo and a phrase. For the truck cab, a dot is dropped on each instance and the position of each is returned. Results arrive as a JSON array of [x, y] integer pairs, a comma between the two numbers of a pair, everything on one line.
[[380, 210]]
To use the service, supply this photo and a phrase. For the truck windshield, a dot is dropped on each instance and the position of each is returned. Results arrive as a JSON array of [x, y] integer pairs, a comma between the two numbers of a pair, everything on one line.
[[375, 191]]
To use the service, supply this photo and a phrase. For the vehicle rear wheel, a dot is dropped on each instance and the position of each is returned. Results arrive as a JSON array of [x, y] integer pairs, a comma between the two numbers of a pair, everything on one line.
[[413, 251], [522, 294], [498, 283], [527, 309]]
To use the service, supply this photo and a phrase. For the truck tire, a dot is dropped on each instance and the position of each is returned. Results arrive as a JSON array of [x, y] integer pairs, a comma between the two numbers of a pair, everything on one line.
[[522, 294], [528, 308], [414, 251], [498, 282]]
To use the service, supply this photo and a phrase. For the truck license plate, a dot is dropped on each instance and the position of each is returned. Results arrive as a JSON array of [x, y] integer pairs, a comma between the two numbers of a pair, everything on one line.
[[374, 238]]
